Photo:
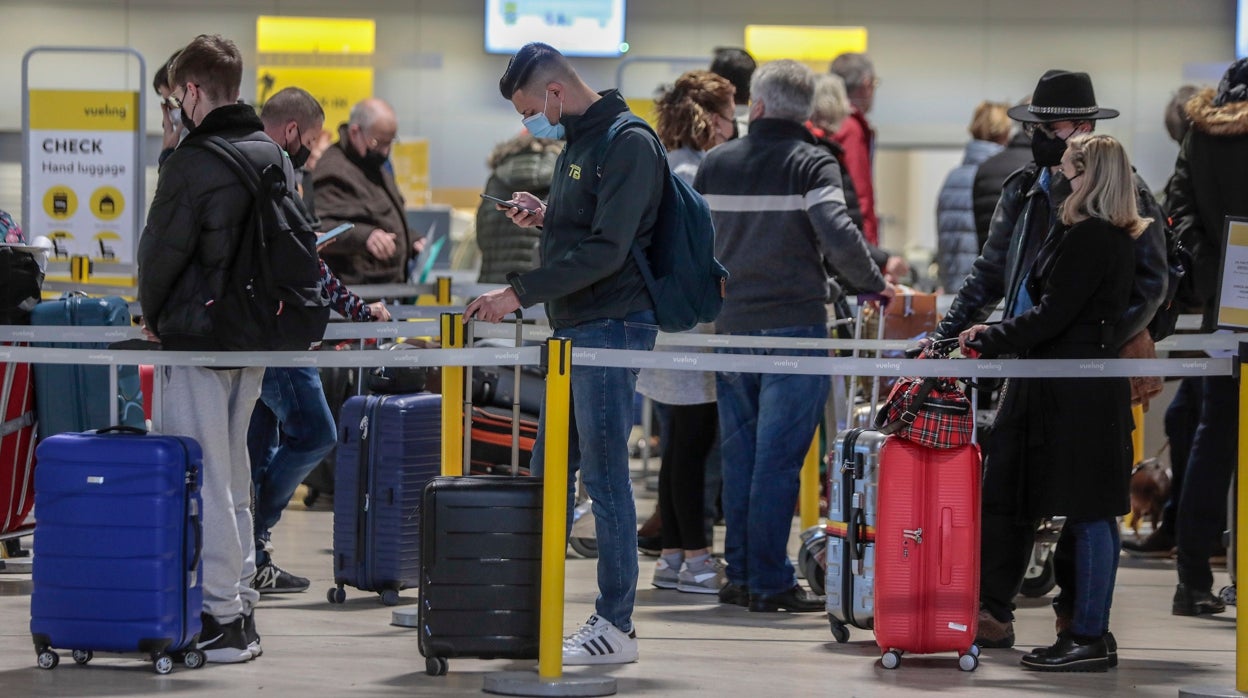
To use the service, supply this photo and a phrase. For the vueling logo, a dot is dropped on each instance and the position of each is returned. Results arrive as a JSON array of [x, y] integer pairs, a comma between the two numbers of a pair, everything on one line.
[[574, 171]]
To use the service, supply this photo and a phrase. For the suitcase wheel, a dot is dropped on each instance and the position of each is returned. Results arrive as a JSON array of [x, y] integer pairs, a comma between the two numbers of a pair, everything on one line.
[[336, 595], [437, 666], [48, 659], [839, 630], [970, 660], [585, 547], [162, 664], [892, 659], [82, 656], [193, 659], [389, 597]]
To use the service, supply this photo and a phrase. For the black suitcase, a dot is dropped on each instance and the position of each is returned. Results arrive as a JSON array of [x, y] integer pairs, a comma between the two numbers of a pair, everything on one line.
[[481, 562]]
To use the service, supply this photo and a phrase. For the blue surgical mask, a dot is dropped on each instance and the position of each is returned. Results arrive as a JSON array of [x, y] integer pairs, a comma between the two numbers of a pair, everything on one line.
[[540, 127]]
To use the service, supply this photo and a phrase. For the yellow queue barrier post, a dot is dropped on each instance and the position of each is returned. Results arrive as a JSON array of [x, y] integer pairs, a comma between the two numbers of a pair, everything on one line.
[[443, 292], [452, 398], [808, 494], [549, 680]]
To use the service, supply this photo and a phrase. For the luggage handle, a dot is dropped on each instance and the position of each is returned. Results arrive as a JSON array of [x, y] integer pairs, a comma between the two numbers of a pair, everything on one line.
[[122, 429], [198, 526], [515, 401]]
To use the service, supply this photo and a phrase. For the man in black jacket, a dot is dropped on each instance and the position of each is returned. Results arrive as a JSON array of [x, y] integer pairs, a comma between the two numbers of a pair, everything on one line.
[[200, 211], [1026, 218], [604, 199]]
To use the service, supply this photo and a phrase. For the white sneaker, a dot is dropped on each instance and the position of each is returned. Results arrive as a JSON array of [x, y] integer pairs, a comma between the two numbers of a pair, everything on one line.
[[599, 642]]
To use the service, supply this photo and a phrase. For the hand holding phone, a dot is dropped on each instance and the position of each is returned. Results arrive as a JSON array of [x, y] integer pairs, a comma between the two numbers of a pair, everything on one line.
[[326, 237], [508, 204]]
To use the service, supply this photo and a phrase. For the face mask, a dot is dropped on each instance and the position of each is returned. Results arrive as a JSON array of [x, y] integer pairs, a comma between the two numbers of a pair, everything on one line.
[[736, 131], [1047, 150], [1060, 189], [372, 159], [540, 127], [175, 118], [301, 153]]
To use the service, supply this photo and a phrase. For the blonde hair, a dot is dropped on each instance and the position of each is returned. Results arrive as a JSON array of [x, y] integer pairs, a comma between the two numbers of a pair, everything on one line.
[[831, 104], [991, 122], [1108, 192]]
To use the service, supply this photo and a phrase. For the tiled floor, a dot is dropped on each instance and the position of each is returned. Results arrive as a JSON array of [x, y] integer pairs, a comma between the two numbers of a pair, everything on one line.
[[689, 646]]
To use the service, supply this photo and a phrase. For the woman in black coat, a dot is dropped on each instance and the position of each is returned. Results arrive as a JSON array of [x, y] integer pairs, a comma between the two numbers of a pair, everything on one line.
[[1071, 437]]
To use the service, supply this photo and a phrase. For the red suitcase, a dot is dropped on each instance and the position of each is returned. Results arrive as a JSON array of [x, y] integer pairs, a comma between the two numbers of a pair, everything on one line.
[[17, 446], [927, 552]]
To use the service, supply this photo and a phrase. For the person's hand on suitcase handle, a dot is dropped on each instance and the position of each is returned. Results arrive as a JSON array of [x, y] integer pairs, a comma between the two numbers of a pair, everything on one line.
[[968, 342], [493, 306], [883, 297]]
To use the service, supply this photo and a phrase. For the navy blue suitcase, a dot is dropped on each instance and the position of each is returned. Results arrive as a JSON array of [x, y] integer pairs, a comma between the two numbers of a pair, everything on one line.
[[389, 446], [118, 540], [74, 398]]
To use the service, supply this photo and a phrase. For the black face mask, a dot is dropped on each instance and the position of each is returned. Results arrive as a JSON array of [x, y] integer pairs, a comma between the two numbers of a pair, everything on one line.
[[1059, 188], [736, 131], [373, 159], [1047, 150], [300, 156]]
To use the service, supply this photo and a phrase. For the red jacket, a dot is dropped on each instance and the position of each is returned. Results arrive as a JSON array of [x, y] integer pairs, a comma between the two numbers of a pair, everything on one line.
[[858, 140]]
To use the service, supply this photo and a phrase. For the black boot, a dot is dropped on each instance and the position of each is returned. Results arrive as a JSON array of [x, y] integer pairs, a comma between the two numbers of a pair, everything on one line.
[[1192, 602], [1070, 654]]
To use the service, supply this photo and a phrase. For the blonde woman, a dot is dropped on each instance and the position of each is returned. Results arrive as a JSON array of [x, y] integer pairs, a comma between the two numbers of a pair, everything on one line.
[[1083, 277]]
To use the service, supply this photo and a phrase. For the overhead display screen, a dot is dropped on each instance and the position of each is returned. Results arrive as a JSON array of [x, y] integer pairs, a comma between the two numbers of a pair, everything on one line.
[[592, 28]]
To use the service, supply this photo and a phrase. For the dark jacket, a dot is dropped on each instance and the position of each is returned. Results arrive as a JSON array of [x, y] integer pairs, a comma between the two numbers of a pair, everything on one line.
[[596, 210], [778, 205], [1021, 223], [348, 192], [1210, 182], [990, 179], [523, 163], [1083, 280], [194, 226], [957, 244]]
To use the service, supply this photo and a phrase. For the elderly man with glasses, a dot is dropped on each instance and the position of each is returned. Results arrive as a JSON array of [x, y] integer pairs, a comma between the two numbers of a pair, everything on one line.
[[354, 185]]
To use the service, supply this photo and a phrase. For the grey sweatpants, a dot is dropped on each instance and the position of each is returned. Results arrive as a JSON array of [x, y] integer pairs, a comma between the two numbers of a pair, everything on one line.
[[214, 408]]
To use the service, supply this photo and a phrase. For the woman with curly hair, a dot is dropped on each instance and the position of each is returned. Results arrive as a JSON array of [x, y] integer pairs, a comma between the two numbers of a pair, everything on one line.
[[694, 115]]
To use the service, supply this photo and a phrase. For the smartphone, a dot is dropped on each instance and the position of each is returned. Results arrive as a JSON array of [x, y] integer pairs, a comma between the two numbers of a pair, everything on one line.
[[322, 239], [508, 204]]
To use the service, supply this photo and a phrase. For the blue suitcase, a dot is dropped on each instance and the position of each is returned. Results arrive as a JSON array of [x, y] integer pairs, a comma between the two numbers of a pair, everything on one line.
[[118, 541], [389, 446], [74, 398]]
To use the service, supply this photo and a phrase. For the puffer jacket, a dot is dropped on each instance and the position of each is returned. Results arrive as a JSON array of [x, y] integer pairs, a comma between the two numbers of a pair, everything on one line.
[[195, 222], [523, 163], [1209, 183], [957, 245], [1013, 239]]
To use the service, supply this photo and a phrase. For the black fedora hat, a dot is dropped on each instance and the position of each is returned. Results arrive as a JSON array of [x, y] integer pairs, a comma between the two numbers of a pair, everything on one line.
[[1062, 96]]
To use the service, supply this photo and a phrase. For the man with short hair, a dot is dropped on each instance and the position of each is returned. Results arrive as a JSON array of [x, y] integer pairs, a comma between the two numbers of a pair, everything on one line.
[[353, 185], [736, 66], [1027, 218], [171, 118], [778, 204], [604, 200], [856, 135], [199, 214], [292, 428]]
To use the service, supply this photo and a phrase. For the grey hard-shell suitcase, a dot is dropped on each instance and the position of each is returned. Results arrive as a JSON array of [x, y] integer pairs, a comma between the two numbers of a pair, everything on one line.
[[853, 482]]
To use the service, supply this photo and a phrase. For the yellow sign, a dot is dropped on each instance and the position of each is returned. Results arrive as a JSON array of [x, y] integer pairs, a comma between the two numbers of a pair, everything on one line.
[[60, 202], [78, 110], [107, 203], [410, 159], [816, 46], [315, 35], [337, 89]]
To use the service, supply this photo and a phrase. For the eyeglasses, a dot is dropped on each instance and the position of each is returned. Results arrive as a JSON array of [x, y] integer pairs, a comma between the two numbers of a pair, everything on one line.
[[176, 102], [1031, 127], [375, 144]]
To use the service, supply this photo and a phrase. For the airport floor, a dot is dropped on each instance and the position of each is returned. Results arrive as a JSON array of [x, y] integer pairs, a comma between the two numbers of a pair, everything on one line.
[[690, 645]]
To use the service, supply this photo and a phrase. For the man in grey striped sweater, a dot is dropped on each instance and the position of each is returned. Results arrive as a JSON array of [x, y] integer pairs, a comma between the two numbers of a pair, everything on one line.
[[781, 226]]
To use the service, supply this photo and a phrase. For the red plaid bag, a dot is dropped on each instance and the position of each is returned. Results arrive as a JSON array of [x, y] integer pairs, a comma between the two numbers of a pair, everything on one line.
[[932, 412]]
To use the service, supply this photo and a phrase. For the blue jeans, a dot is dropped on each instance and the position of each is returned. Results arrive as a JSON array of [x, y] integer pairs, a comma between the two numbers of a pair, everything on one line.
[[766, 423], [291, 431], [600, 421], [1096, 546]]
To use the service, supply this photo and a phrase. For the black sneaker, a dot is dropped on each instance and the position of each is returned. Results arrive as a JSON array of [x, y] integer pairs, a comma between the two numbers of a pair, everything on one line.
[[223, 643], [250, 635], [271, 579]]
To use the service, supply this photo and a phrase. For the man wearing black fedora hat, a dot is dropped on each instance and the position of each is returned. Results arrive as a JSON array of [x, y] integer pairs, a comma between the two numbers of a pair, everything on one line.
[[1026, 218]]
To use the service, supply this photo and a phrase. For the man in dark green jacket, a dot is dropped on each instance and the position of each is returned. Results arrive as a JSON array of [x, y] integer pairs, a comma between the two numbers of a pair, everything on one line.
[[603, 200]]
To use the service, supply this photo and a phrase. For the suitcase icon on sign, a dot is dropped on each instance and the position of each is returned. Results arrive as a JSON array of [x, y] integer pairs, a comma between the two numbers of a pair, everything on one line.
[[107, 205], [60, 203]]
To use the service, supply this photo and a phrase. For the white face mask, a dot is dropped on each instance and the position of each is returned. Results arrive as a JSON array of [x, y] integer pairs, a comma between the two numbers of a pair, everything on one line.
[[175, 118]]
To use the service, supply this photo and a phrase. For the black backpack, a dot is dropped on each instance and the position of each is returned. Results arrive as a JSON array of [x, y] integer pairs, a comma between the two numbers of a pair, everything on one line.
[[1179, 287], [20, 284], [271, 300]]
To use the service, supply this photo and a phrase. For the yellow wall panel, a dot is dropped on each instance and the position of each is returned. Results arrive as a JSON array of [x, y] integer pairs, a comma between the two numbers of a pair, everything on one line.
[[315, 35]]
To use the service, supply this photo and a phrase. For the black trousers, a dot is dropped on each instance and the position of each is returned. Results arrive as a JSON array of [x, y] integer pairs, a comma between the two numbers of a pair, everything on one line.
[[690, 432]]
